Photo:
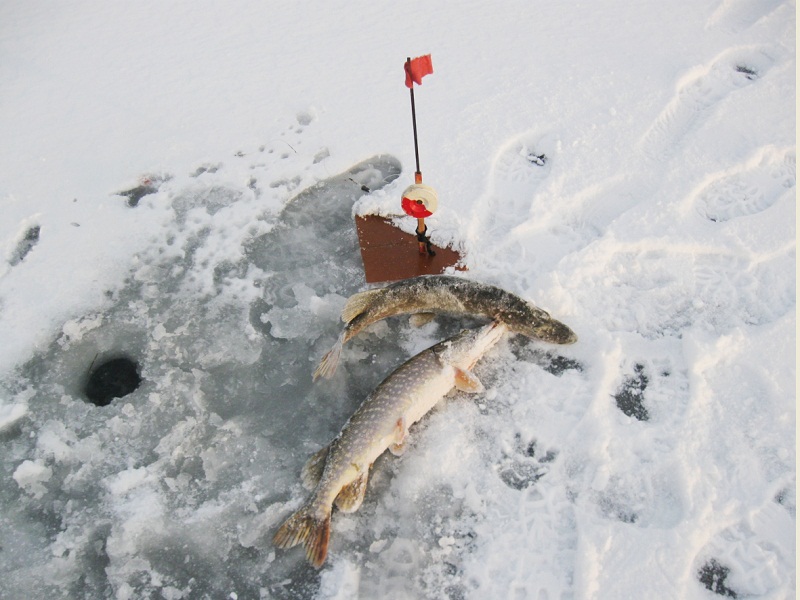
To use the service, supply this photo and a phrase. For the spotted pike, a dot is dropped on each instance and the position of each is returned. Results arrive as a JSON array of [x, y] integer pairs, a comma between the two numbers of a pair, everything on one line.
[[443, 294], [338, 473]]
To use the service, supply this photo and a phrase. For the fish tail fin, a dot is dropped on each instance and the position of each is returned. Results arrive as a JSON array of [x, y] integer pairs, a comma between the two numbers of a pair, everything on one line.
[[327, 366], [305, 527]]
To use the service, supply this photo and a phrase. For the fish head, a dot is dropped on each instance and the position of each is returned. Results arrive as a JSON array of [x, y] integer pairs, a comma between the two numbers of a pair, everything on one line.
[[533, 322]]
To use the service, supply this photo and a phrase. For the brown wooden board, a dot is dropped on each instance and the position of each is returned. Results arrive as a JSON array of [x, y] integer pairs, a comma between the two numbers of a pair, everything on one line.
[[390, 254]]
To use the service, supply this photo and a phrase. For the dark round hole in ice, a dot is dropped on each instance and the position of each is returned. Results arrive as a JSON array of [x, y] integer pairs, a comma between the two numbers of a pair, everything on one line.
[[114, 378]]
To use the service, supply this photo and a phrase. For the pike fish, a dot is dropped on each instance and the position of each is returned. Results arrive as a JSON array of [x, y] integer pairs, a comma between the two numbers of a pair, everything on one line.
[[338, 472], [443, 294]]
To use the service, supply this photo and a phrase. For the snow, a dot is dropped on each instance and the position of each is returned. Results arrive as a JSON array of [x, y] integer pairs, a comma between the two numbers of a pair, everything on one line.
[[177, 187]]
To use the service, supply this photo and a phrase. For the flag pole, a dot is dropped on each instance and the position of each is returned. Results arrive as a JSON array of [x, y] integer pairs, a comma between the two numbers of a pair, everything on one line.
[[418, 173], [423, 240]]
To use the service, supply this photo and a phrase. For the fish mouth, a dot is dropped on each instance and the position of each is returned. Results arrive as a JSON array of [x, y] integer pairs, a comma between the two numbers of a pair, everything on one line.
[[554, 332]]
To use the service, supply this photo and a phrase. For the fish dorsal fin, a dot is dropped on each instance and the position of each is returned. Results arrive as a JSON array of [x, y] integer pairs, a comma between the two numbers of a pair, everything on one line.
[[420, 319], [352, 495], [356, 304], [312, 471], [467, 382]]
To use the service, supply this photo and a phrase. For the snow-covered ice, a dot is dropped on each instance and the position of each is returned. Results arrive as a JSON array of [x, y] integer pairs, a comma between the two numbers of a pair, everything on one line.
[[177, 189]]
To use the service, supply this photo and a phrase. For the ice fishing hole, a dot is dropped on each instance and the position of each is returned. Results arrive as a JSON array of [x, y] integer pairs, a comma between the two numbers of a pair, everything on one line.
[[114, 378]]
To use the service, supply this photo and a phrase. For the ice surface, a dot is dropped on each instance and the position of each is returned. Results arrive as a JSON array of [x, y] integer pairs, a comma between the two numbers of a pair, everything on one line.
[[180, 190]]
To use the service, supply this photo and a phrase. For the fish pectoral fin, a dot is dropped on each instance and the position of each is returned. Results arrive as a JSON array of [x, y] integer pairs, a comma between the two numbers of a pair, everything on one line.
[[357, 303], [400, 435], [467, 382], [398, 449], [420, 319], [312, 470], [352, 495]]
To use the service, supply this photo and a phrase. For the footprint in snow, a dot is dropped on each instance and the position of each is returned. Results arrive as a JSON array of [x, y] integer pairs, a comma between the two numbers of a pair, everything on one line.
[[730, 289], [648, 497], [546, 533], [206, 168], [525, 464], [630, 395], [753, 558], [737, 15], [148, 184], [526, 350], [284, 151], [26, 242], [518, 170], [749, 188], [698, 93]]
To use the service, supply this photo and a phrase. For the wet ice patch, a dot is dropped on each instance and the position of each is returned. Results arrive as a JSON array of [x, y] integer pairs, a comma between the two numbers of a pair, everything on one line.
[[308, 316], [211, 199], [177, 474], [74, 362]]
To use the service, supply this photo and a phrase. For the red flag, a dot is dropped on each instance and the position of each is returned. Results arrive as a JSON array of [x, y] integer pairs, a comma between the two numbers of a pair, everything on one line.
[[417, 68]]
